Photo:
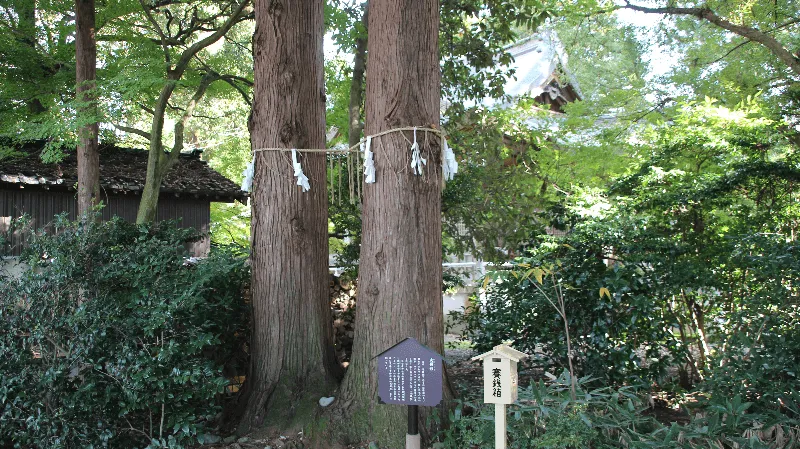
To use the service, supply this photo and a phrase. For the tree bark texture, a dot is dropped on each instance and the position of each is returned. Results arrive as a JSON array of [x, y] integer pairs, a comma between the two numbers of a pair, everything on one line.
[[400, 267], [85, 71], [292, 357]]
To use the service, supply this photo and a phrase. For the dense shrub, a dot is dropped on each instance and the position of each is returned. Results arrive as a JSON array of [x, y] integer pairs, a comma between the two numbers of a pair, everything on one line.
[[545, 416], [758, 340], [110, 339], [721, 300], [618, 333], [671, 271], [726, 312]]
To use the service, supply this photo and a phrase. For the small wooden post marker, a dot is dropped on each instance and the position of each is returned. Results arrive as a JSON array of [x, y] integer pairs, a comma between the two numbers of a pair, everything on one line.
[[410, 374], [500, 385]]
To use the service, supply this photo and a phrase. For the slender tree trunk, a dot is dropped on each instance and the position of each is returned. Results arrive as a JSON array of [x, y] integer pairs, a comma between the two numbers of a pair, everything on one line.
[[27, 27], [357, 83], [159, 164], [148, 205], [292, 359], [354, 109], [695, 311], [699, 319], [85, 68], [400, 267]]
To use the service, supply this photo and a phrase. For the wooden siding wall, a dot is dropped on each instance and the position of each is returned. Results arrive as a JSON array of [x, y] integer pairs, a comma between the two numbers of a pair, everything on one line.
[[42, 206]]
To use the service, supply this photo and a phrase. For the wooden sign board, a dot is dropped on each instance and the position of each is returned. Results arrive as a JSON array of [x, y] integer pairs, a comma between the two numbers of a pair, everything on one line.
[[500, 374], [409, 373]]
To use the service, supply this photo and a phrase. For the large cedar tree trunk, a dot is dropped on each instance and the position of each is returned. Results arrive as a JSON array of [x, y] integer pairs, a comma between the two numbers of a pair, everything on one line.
[[293, 362], [85, 68], [400, 266]]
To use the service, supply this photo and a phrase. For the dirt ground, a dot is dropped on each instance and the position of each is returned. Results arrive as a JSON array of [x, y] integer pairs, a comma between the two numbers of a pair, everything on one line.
[[466, 377]]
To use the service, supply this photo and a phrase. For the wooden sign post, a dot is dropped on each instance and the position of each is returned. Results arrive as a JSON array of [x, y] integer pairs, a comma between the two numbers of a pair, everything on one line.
[[500, 385], [410, 374]]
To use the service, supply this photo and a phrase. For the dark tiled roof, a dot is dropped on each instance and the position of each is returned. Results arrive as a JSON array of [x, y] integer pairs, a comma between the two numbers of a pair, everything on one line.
[[122, 170]]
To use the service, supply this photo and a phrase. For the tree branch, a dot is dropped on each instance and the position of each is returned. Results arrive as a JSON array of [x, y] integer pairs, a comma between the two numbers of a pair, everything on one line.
[[786, 24], [727, 53], [131, 130], [180, 125], [240, 79], [230, 79], [240, 46], [173, 75], [195, 48], [208, 117], [791, 135], [175, 108], [160, 32], [146, 108], [753, 34]]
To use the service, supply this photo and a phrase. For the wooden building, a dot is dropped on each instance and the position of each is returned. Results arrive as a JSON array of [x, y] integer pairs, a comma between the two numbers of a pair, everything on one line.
[[541, 72], [29, 186]]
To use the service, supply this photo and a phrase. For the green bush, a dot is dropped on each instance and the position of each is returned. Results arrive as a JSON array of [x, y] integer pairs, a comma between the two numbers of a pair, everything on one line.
[[618, 337], [759, 339], [545, 417], [714, 299], [110, 339]]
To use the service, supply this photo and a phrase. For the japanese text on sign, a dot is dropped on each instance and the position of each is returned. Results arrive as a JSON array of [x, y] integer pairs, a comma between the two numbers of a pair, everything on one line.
[[496, 388], [410, 373], [407, 377]]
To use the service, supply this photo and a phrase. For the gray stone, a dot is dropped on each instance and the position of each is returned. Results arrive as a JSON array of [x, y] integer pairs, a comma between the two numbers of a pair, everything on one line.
[[243, 440], [326, 401], [230, 439], [211, 439]]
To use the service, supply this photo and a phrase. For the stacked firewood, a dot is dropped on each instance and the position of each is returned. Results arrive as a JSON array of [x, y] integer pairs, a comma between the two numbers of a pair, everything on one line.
[[343, 310]]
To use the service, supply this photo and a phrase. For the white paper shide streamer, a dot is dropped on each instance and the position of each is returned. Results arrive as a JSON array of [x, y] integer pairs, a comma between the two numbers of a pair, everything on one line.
[[369, 164], [449, 163], [302, 179], [331, 133], [417, 161], [248, 173]]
